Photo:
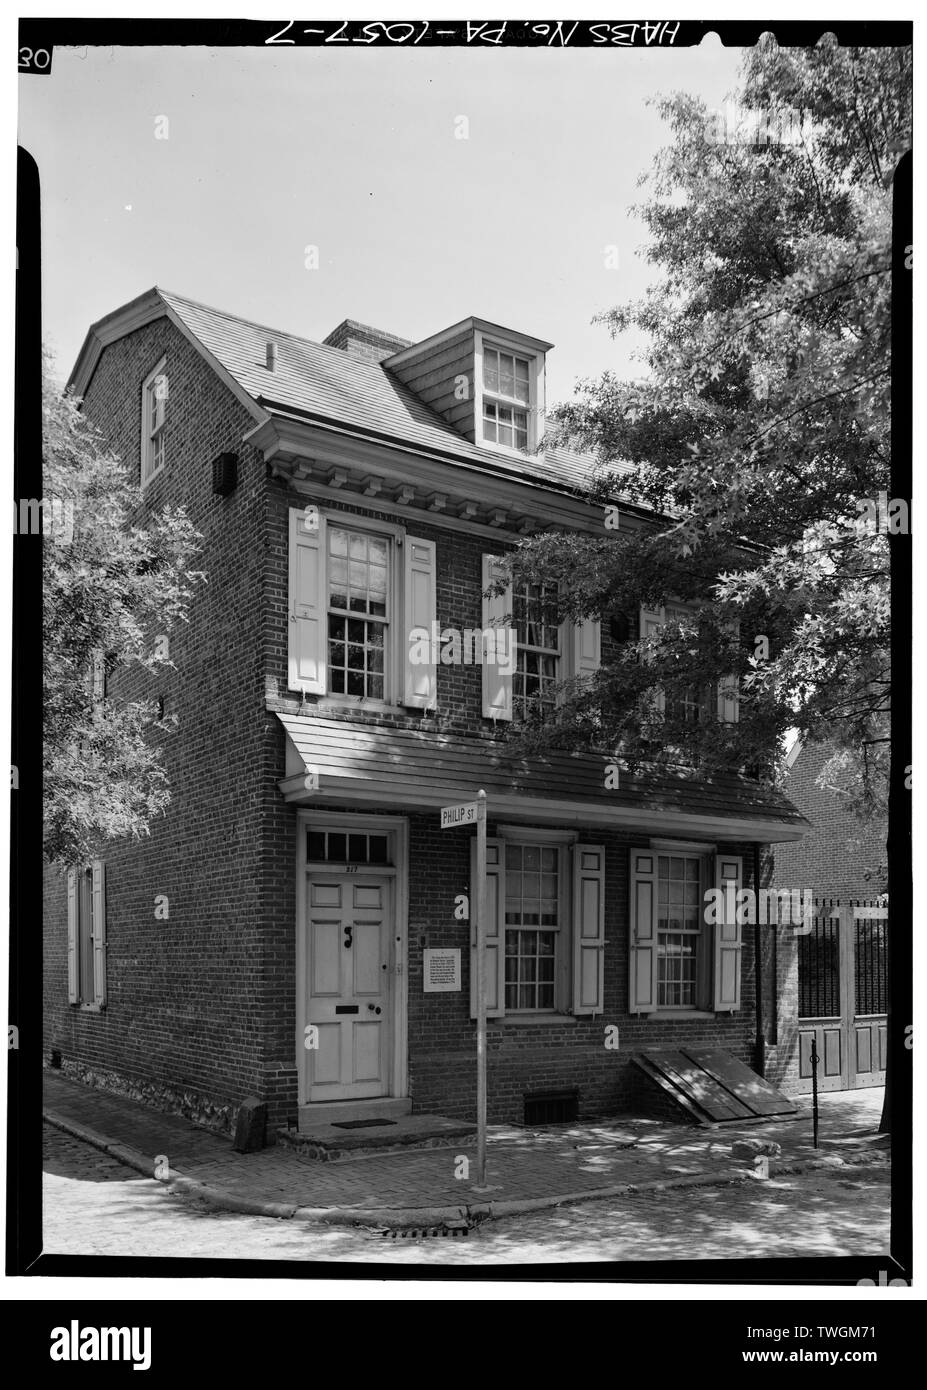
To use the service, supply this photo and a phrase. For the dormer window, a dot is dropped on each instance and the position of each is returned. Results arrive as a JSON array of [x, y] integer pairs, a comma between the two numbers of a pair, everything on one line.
[[510, 392], [506, 398], [486, 381]]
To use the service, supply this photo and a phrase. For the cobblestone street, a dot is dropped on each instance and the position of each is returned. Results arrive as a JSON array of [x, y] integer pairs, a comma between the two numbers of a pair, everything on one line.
[[94, 1205]]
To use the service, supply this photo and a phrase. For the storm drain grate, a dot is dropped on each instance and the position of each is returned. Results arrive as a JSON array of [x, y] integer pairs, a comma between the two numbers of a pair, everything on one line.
[[360, 1124], [413, 1232], [551, 1108]]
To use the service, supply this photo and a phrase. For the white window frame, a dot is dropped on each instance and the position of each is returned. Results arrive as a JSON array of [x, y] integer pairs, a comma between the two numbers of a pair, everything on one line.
[[710, 696], [535, 407], [563, 671], [147, 474], [561, 840], [704, 976], [393, 655], [691, 610]]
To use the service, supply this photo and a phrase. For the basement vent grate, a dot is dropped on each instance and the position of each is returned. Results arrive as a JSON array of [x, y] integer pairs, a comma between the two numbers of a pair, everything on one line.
[[551, 1108], [360, 1124]]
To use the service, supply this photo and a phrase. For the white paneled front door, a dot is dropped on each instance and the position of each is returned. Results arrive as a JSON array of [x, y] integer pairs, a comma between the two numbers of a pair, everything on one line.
[[348, 994]]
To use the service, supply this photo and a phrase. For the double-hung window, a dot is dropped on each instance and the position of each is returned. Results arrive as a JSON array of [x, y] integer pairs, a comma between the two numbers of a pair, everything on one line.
[[362, 608], [358, 587], [538, 636], [506, 398], [545, 925], [532, 925], [682, 957], [546, 651], [680, 948], [154, 415], [690, 704]]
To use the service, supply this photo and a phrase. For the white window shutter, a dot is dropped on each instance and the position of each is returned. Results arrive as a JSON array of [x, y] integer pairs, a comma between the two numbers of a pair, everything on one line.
[[587, 647], [420, 611], [495, 927], [98, 931], [308, 644], [73, 989], [650, 620], [728, 936], [642, 947], [497, 683], [729, 688], [728, 700], [588, 929]]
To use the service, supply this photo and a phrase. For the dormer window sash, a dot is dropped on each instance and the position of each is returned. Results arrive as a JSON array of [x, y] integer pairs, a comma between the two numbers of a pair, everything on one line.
[[506, 398], [509, 395]]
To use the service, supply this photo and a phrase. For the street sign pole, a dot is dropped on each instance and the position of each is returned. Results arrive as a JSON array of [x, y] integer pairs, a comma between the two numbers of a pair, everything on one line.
[[481, 990]]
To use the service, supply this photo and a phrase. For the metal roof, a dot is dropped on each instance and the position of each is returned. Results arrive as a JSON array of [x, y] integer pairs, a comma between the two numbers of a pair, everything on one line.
[[395, 766]]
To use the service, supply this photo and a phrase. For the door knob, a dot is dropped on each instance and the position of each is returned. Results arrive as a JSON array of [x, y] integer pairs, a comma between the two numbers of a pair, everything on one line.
[[374, 1008]]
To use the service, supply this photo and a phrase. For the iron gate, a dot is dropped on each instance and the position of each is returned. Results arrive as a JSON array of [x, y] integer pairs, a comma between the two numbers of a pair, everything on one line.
[[843, 994]]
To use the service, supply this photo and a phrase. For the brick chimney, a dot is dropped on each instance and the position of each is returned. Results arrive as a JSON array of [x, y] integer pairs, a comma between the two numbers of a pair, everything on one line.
[[362, 341]]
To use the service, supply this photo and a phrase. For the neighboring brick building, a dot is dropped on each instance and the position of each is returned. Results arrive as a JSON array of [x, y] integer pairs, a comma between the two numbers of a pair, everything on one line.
[[269, 937], [841, 856]]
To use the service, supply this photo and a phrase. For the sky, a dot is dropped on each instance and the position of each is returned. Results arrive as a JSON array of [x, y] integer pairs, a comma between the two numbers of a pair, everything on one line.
[[355, 152]]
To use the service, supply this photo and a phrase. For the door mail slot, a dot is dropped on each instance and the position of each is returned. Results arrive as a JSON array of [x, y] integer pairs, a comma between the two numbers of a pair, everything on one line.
[[347, 1008]]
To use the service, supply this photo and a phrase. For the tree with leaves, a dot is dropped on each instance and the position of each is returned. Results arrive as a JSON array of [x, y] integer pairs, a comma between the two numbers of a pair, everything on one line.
[[113, 593], [760, 436]]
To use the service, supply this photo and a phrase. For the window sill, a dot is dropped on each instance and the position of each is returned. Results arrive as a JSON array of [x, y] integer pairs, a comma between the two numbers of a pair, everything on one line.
[[152, 478], [506, 450], [358, 702], [534, 1020], [661, 1015]]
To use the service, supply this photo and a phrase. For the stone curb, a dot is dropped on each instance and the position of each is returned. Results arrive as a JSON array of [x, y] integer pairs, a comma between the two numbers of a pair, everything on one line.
[[132, 1158], [398, 1218]]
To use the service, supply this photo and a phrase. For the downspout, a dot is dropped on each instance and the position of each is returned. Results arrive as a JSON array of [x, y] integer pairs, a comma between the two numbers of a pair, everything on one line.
[[760, 1041]]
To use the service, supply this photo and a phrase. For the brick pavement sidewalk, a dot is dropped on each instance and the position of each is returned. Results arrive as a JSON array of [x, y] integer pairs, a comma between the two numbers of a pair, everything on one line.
[[526, 1169]]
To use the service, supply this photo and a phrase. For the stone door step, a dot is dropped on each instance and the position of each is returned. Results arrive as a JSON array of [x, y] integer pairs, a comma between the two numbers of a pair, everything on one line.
[[350, 1139], [328, 1112]]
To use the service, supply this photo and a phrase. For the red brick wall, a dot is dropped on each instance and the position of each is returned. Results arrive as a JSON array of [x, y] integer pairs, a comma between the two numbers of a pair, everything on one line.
[[541, 1057], [834, 858], [187, 997]]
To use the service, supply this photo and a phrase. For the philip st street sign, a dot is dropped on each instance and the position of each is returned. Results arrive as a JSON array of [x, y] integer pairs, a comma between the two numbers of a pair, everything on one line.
[[453, 816]]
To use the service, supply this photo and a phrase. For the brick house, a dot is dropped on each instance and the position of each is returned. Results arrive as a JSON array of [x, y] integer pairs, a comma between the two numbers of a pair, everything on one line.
[[270, 937]]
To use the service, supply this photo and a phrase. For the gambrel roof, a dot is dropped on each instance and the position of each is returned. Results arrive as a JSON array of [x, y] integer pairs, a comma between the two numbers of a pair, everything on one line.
[[321, 384]]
